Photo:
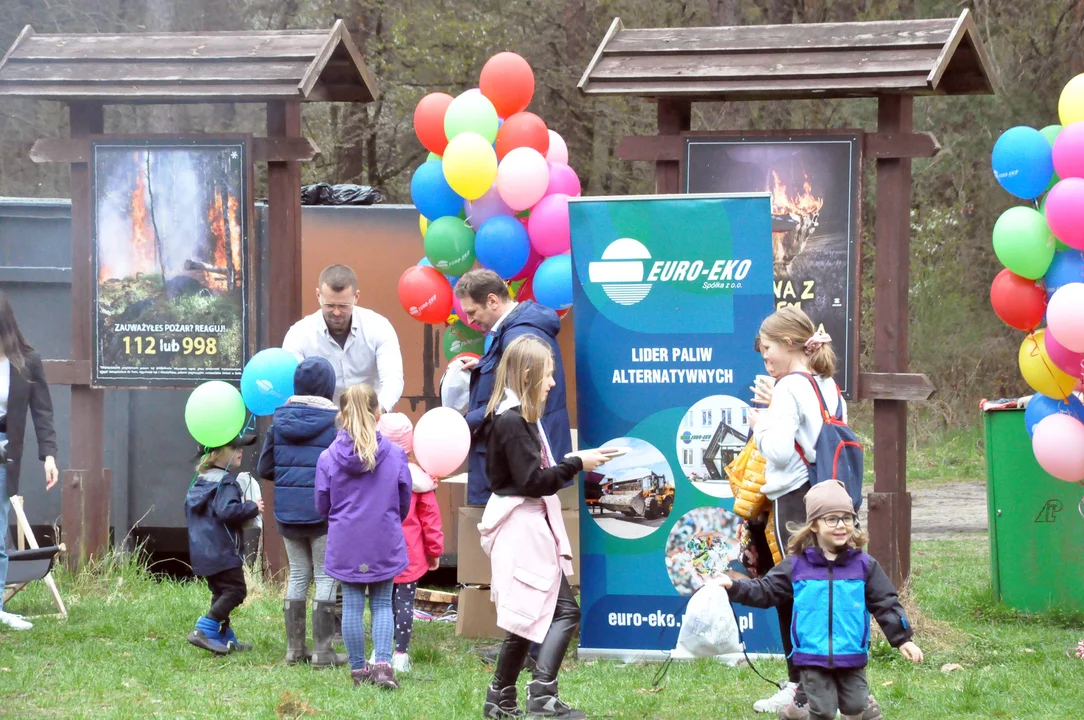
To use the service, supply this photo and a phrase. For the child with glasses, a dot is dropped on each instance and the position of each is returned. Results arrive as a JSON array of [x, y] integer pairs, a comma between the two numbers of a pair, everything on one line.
[[834, 587]]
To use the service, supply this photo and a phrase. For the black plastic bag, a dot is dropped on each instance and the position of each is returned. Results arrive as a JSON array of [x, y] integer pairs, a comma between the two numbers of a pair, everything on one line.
[[325, 194]]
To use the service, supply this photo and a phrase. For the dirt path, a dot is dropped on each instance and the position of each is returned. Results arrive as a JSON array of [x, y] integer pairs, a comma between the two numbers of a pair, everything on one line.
[[947, 510]]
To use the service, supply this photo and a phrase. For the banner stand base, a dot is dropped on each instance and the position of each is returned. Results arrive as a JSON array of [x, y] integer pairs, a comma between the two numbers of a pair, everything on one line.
[[645, 656]]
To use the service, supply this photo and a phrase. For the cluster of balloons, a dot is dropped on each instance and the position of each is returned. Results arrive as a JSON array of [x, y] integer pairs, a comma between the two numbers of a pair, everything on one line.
[[1042, 249], [495, 192]]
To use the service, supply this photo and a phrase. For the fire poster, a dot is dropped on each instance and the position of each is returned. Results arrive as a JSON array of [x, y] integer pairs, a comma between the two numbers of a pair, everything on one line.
[[814, 185], [170, 231]]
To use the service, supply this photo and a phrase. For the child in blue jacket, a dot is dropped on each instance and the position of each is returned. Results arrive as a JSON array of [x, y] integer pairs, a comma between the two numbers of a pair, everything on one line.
[[216, 509], [834, 587]]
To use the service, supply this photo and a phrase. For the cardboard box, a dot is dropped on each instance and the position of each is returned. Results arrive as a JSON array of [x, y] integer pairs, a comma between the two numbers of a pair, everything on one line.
[[472, 563], [477, 615], [451, 494]]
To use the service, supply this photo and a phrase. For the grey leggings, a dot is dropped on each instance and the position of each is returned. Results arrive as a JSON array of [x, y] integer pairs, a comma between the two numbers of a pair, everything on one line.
[[402, 603], [306, 557]]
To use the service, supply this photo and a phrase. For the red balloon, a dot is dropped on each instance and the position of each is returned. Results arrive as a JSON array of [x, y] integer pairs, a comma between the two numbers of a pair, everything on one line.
[[508, 81], [1019, 302], [533, 261], [524, 129], [561, 313], [429, 121], [526, 291], [426, 294]]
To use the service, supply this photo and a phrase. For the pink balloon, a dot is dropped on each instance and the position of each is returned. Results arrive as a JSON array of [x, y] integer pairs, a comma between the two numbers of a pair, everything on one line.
[[1065, 211], [1058, 444], [522, 178], [558, 152], [1065, 316], [533, 261], [1066, 360], [441, 441], [486, 207], [563, 179], [548, 225], [457, 308], [1069, 151]]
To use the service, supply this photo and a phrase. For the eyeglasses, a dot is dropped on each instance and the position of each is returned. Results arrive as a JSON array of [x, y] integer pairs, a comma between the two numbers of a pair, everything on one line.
[[833, 521], [341, 307]]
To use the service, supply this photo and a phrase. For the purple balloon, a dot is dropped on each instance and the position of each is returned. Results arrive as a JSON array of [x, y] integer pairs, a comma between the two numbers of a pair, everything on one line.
[[1068, 152], [486, 207], [548, 225], [564, 180]]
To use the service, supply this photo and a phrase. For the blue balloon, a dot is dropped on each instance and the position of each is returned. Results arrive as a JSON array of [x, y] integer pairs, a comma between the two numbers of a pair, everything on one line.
[[1023, 162], [451, 280], [502, 245], [267, 381], [432, 194], [1068, 267], [553, 282], [1041, 407]]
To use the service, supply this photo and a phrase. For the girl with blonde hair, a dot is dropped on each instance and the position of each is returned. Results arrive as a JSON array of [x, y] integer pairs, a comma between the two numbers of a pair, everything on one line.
[[363, 488], [523, 532]]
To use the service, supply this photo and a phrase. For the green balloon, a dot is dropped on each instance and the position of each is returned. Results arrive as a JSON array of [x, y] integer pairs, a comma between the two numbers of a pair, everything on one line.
[[459, 339], [449, 245], [432, 156], [1051, 132], [1023, 242], [471, 112], [215, 413], [1058, 244]]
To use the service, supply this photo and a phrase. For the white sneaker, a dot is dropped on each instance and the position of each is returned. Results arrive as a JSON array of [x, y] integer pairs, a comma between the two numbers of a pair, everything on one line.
[[13, 621], [400, 662], [778, 701]]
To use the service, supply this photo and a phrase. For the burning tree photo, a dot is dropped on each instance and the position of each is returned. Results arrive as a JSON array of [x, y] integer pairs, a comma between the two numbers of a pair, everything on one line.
[[170, 232]]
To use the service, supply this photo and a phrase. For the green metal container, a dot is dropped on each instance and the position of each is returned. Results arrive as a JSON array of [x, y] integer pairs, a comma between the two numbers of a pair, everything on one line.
[[1036, 526]]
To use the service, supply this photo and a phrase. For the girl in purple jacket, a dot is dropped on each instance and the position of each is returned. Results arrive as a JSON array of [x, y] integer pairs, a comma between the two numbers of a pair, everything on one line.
[[363, 488]]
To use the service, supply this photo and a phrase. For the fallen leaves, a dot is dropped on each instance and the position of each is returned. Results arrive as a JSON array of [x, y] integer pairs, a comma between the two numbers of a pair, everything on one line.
[[951, 667], [291, 707]]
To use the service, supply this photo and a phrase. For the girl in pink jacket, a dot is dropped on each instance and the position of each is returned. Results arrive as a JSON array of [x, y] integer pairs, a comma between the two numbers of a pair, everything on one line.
[[423, 533]]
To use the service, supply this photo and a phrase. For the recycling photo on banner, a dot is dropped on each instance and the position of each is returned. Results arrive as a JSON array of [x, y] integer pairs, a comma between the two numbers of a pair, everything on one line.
[[669, 294], [814, 183]]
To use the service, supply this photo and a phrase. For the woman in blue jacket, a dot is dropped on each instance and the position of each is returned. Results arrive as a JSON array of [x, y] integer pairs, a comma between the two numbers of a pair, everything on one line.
[[302, 429]]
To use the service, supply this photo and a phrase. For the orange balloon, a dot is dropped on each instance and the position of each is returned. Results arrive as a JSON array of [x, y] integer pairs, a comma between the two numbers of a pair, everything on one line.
[[429, 121], [508, 81], [524, 129]]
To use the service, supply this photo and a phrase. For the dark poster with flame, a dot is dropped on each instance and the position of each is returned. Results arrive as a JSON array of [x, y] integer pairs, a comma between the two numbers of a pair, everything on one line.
[[814, 184], [171, 229]]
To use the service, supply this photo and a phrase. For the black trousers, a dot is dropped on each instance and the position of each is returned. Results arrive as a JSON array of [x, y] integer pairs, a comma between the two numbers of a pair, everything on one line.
[[551, 653], [789, 508], [843, 689], [228, 590]]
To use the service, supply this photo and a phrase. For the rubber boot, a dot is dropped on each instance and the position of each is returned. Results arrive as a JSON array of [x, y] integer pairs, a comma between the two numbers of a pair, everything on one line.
[[323, 630], [543, 701], [501, 702], [293, 612]]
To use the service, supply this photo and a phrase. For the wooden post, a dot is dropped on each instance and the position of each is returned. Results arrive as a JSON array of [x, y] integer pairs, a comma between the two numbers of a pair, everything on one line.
[[86, 488], [674, 118], [284, 276], [890, 503]]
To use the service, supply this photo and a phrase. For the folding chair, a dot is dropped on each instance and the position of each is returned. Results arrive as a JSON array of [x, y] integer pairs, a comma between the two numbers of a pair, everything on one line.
[[25, 565]]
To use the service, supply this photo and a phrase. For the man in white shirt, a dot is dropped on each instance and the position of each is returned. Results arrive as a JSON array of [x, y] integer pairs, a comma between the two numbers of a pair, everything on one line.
[[360, 344]]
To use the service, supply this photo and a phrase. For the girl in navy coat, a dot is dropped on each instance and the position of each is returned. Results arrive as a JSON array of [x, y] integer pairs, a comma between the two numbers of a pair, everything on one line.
[[302, 429]]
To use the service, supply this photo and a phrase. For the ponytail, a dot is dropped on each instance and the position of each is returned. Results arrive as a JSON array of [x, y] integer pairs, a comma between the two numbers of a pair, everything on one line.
[[823, 361], [359, 410]]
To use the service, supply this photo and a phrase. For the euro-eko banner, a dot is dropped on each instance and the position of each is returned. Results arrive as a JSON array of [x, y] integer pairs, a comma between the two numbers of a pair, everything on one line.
[[669, 294]]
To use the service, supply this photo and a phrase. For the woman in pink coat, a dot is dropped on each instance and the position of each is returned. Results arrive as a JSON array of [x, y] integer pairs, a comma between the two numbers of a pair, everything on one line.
[[423, 533], [524, 534]]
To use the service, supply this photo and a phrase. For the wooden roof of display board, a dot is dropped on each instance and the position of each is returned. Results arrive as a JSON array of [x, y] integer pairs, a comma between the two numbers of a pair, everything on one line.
[[822, 60], [201, 67]]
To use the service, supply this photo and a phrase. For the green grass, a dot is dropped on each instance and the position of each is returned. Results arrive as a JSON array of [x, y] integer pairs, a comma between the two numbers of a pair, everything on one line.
[[951, 456], [123, 654]]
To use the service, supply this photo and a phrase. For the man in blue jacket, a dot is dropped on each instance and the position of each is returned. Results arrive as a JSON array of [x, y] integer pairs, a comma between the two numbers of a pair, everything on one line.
[[487, 304]]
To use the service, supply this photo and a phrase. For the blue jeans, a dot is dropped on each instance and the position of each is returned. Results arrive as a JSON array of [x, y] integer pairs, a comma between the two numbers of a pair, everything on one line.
[[354, 621], [5, 505]]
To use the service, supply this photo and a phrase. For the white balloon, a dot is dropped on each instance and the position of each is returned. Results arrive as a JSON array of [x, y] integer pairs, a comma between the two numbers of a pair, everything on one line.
[[558, 152]]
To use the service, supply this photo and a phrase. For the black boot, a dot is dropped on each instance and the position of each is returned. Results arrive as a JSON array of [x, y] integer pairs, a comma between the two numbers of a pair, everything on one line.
[[323, 629], [501, 702], [542, 701], [293, 612]]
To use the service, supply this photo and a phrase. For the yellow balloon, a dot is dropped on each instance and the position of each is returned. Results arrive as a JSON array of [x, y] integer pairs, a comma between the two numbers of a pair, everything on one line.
[[1040, 372], [1071, 102], [423, 224], [470, 165]]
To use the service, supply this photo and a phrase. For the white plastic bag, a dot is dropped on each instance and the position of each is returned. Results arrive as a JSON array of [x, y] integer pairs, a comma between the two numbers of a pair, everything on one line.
[[250, 490], [709, 627], [455, 387]]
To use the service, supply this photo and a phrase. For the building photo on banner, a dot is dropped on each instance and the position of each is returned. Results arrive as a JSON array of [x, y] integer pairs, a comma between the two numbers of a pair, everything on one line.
[[814, 182], [658, 520], [170, 230]]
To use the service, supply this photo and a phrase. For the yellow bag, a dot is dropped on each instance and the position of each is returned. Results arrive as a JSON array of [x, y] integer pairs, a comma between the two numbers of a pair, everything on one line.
[[746, 474], [773, 541]]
